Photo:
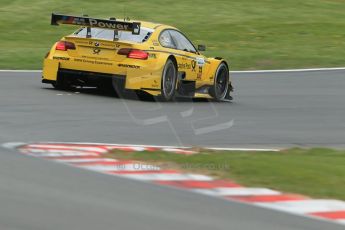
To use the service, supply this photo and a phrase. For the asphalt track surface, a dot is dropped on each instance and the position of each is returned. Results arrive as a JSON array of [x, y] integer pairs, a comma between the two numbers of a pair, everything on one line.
[[278, 109], [269, 110]]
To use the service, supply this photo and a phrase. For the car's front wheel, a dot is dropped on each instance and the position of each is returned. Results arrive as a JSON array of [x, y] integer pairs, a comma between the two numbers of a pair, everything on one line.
[[221, 83], [169, 79]]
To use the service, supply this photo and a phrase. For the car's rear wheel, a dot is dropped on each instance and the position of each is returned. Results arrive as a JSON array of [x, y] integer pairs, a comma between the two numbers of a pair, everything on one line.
[[221, 83], [169, 79]]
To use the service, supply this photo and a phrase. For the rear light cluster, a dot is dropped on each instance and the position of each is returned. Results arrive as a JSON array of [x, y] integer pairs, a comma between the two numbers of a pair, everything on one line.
[[133, 53], [64, 46]]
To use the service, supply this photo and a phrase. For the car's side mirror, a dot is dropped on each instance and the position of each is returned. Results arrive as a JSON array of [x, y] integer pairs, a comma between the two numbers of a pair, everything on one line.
[[201, 48]]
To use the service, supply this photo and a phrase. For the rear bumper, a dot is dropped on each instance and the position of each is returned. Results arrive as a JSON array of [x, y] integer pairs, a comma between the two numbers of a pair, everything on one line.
[[145, 77], [47, 81], [87, 78]]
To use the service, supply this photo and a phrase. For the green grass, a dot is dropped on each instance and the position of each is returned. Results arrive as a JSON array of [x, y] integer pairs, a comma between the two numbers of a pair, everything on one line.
[[319, 173], [251, 34]]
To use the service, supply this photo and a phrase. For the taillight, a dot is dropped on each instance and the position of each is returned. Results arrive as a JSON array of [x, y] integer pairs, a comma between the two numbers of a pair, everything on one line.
[[133, 53], [138, 54], [63, 45]]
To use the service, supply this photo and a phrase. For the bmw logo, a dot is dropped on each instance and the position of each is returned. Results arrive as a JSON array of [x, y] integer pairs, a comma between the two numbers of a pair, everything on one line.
[[96, 43]]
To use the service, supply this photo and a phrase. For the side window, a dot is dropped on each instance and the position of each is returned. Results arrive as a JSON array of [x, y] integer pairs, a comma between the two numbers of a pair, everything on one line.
[[182, 43], [166, 41]]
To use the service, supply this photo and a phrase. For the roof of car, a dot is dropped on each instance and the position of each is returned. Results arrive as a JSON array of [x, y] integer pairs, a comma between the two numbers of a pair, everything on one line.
[[151, 25]]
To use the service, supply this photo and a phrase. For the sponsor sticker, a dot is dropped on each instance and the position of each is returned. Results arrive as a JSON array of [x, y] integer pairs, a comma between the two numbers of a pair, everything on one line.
[[151, 55], [95, 62], [61, 58], [184, 66], [108, 24], [129, 66], [200, 61]]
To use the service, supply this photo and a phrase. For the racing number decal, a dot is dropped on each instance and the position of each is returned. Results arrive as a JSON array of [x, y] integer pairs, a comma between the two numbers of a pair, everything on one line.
[[200, 62], [198, 72], [199, 75], [193, 65]]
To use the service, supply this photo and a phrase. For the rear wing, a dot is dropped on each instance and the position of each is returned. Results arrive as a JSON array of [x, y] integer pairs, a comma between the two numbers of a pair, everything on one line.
[[111, 24]]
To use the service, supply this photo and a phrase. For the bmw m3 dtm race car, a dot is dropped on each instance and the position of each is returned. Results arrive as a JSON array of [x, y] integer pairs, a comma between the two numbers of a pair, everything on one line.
[[134, 55]]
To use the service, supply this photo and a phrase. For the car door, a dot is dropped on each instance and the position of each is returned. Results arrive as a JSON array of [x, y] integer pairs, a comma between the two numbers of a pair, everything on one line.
[[188, 58]]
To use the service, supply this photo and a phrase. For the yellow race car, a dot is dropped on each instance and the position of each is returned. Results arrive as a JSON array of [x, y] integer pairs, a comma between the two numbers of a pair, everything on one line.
[[145, 57]]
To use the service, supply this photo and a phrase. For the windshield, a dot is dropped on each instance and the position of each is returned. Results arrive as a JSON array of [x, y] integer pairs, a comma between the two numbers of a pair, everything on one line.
[[106, 34]]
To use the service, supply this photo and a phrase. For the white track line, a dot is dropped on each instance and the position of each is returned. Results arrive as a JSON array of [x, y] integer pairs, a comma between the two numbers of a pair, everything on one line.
[[163, 147], [237, 191], [167, 177], [55, 147], [341, 221], [13, 145], [60, 154], [306, 206], [85, 160], [245, 149], [121, 167], [19, 71], [168, 147], [235, 71], [108, 144], [48, 151], [288, 70]]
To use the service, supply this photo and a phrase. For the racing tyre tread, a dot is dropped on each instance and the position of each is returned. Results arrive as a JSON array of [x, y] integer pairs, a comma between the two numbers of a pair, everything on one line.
[[220, 87], [169, 81]]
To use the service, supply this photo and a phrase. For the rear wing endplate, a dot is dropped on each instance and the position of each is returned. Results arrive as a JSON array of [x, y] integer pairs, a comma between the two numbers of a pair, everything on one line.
[[111, 24]]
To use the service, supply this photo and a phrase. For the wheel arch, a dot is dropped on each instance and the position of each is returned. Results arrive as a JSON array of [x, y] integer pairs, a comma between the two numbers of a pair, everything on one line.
[[226, 63], [214, 65], [172, 57], [171, 95]]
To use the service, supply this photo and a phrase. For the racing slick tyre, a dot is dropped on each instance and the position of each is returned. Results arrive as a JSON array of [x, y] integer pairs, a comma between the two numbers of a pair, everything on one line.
[[220, 87], [168, 82]]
